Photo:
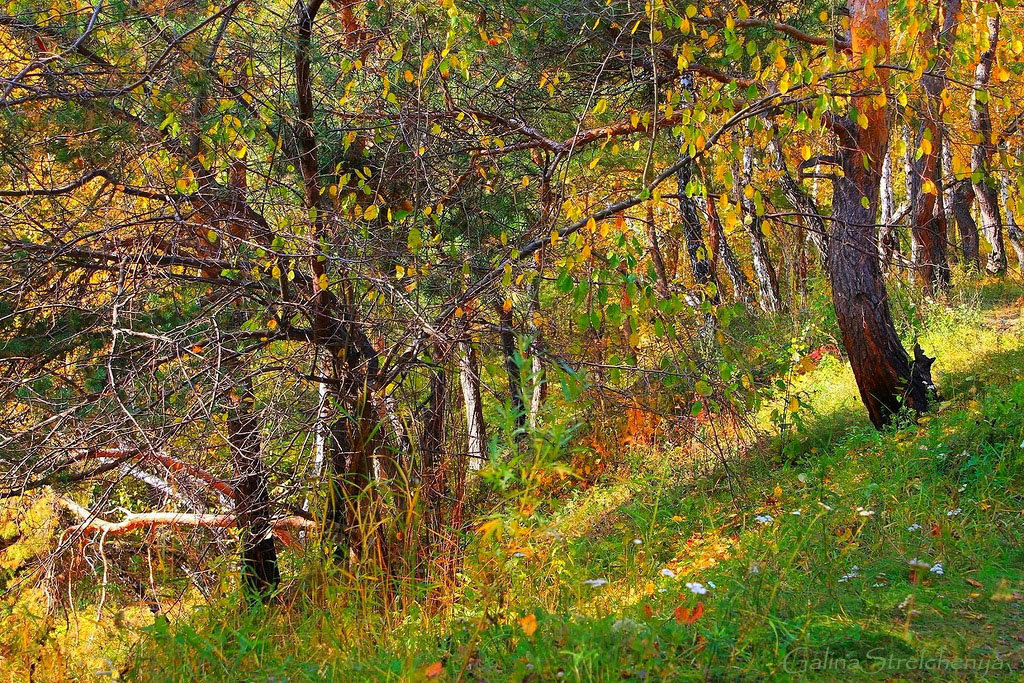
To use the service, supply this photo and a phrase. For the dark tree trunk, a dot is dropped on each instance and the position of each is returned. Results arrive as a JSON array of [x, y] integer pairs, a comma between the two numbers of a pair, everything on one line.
[[886, 376], [432, 454], [515, 379], [986, 186], [764, 270], [961, 197], [259, 570], [700, 261]]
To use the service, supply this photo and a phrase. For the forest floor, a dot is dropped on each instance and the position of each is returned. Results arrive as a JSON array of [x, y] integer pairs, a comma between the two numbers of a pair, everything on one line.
[[858, 556]]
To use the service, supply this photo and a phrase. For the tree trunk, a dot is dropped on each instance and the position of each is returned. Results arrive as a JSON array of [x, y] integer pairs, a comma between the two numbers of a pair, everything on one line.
[[469, 378], [1013, 231], [949, 185], [724, 253], [432, 455], [802, 202], [983, 181], [654, 249], [887, 239], [507, 336], [260, 574], [962, 196], [764, 270], [886, 376], [928, 216], [700, 261]]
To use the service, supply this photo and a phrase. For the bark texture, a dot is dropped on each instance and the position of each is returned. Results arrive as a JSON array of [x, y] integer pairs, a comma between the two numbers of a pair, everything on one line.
[[985, 186], [764, 270], [886, 376]]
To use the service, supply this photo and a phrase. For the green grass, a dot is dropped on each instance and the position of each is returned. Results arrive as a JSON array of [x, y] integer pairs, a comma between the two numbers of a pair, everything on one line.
[[826, 593]]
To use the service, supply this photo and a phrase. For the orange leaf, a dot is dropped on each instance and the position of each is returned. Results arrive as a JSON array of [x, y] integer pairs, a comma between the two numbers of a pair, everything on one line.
[[434, 670], [529, 624], [684, 615]]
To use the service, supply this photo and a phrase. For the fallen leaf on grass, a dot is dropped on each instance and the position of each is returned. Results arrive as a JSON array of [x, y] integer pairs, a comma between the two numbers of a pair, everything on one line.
[[434, 670], [528, 624], [684, 615]]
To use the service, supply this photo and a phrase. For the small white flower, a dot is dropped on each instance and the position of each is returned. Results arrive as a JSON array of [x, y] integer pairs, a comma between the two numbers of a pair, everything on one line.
[[638, 541], [763, 519], [852, 574], [668, 573], [828, 508], [937, 569], [865, 513], [919, 564], [954, 513], [755, 568], [963, 487], [795, 512], [696, 588], [914, 527], [595, 583], [712, 584], [518, 554]]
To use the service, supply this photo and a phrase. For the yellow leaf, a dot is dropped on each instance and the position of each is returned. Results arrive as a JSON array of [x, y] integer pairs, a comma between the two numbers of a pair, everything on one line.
[[862, 119], [805, 152], [928, 187], [926, 146], [275, 273], [371, 212], [554, 237], [491, 526], [507, 306], [794, 405], [784, 83], [434, 670], [271, 324], [528, 624], [591, 225], [322, 281]]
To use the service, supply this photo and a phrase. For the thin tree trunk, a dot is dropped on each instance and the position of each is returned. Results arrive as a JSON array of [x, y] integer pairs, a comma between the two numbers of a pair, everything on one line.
[[724, 253], [654, 249], [802, 202], [928, 216], [507, 336], [886, 376], [469, 378], [433, 458], [700, 261], [887, 239], [764, 270], [948, 197], [1013, 231], [983, 181]]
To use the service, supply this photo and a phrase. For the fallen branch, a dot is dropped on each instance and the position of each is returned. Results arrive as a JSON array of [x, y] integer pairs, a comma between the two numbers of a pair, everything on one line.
[[92, 524]]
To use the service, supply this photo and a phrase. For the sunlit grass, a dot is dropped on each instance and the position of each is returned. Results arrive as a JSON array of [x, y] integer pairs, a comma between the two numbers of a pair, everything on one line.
[[795, 557]]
